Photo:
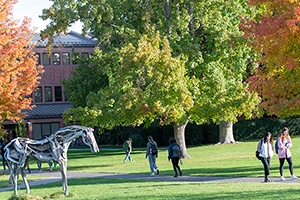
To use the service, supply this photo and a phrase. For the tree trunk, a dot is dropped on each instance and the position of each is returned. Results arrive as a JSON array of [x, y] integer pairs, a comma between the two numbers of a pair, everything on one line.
[[191, 22], [179, 135], [168, 17], [226, 132]]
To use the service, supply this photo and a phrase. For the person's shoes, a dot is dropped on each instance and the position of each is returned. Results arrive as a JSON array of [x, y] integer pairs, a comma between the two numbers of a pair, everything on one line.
[[124, 161], [176, 175], [152, 174], [180, 173], [282, 178], [131, 161], [157, 171], [293, 177], [267, 180]]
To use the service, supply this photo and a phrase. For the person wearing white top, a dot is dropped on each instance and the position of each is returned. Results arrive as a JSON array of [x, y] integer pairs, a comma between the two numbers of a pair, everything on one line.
[[266, 152]]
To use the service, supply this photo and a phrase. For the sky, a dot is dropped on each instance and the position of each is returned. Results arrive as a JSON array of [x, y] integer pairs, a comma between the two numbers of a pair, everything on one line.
[[32, 9]]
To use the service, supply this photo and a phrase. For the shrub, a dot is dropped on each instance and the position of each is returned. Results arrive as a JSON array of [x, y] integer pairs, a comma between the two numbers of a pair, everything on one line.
[[200, 134]]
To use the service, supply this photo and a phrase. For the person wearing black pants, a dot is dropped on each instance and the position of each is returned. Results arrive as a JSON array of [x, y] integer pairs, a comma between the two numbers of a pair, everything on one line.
[[175, 155], [266, 152], [266, 163], [281, 166], [284, 152]]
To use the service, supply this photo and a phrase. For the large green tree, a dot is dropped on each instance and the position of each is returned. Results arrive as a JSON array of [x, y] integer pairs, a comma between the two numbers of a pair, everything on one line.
[[177, 61]]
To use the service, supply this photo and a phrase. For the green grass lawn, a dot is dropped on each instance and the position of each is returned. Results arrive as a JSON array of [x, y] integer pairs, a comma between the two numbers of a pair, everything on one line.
[[232, 160]]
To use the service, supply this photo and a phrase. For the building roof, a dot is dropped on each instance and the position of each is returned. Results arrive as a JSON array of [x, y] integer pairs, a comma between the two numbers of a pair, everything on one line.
[[66, 40], [42, 111]]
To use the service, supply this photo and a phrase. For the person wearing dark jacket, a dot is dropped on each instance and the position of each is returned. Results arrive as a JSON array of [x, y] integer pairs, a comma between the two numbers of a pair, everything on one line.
[[175, 155]]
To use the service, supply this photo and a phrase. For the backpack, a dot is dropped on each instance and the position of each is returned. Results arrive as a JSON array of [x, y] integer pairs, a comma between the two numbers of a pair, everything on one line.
[[126, 146], [257, 153], [176, 151], [153, 149], [276, 147]]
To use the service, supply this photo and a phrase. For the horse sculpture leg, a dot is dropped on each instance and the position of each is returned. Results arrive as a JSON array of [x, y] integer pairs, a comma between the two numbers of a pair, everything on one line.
[[63, 170], [10, 167], [23, 171], [16, 170]]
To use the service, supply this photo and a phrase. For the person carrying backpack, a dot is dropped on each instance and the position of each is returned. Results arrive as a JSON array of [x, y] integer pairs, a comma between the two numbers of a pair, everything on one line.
[[175, 155], [284, 153], [152, 154], [127, 146], [266, 152]]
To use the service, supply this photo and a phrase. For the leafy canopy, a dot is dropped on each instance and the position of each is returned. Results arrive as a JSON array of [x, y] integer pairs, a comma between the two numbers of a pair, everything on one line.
[[19, 73], [173, 60], [275, 35]]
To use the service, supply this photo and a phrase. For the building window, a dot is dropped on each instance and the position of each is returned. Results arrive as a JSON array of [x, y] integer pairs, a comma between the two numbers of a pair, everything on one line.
[[56, 58], [58, 93], [38, 58], [38, 95], [40, 131], [46, 59], [48, 94], [84, 55], [66, 58]]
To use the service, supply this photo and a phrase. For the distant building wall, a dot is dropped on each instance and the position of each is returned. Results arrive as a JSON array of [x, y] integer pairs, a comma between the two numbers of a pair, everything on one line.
[[49, 100]]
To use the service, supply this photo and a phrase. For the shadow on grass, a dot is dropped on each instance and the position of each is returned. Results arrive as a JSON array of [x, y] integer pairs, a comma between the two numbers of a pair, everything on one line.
[[244, 171], [85, 154], [209, 191]]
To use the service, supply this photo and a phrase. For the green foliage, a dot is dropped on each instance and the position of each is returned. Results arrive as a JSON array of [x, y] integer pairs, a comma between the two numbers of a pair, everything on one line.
[[21, 130], [202, 134], [190, 67], [87, 77], [256, 128]]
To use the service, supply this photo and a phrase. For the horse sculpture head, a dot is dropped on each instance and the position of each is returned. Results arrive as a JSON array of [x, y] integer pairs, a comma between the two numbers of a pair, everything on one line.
[[75, 131], [89, 139]]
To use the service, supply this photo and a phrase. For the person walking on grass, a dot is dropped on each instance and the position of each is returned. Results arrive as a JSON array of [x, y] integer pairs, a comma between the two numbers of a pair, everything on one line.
[[284, 153], [127, 146], [175, 155], [266, 152], [152, 154]]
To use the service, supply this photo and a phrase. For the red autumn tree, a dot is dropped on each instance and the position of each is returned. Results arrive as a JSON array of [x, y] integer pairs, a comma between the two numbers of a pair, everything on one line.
[[19, 73], [275, 35]]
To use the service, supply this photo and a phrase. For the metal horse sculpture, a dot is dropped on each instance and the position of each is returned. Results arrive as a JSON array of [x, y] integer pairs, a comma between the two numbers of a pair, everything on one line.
[[51, 149]]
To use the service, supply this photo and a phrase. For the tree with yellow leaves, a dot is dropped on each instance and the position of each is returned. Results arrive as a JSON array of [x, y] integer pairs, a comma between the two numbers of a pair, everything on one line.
[[19, 72]]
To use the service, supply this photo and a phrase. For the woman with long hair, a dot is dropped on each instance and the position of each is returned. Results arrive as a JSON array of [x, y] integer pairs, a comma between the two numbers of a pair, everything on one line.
[[284, 152], [266, 152]]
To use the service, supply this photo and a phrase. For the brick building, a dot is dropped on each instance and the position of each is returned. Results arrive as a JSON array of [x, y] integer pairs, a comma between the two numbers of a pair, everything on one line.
[[49, 100]]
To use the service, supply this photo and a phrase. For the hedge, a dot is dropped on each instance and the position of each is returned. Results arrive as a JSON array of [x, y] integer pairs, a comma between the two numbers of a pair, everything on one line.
[[200, 134]]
